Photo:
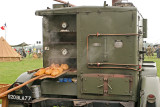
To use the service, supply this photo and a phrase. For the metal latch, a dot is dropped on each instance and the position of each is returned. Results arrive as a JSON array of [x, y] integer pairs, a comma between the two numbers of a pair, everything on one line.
[[100, 86], [109, 86]]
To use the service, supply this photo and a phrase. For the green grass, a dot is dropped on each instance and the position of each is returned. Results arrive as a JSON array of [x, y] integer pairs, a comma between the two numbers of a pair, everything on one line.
[[154, 59], [9, 71]]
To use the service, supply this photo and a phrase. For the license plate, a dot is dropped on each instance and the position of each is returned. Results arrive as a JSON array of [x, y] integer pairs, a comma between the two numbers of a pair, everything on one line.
[[19, 97]]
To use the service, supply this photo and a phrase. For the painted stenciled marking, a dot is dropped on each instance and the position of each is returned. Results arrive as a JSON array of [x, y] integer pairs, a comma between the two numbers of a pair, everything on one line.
[[17, 97], [118, 44]]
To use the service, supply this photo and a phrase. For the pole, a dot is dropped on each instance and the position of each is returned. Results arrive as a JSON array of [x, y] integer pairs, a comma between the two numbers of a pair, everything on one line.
[[60, 1], [5, 34], [114, 1]]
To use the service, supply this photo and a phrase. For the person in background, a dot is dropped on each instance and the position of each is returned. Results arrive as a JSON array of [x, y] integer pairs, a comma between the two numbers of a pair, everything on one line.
[[23, 53], [158, 52], [15, 49], [34, 50], [152, 51], [39, 53], [30, 51], [149, 51]]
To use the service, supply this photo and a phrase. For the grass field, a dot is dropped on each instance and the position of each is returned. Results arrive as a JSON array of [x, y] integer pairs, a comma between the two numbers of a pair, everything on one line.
[[9, 71], [154, 59]]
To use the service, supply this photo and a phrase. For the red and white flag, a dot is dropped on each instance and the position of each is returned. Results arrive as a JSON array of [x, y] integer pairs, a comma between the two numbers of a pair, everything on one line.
[[3, 27]]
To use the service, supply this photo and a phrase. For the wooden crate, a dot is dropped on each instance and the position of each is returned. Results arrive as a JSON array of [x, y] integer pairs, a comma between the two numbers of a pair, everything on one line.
[[4, 87]]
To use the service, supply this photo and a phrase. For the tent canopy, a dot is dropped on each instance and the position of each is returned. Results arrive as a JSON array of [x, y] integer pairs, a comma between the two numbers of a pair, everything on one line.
[[21, 45], [7, 53]]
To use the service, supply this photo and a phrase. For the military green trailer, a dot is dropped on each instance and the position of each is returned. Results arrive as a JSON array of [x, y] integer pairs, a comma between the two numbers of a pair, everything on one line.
[[103, 46]]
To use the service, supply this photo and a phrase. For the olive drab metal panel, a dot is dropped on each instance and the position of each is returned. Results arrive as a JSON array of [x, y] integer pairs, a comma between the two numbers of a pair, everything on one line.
[[144, 28], [123, 87], [107, 43], [48, 87], [105, 46], [95, 85]]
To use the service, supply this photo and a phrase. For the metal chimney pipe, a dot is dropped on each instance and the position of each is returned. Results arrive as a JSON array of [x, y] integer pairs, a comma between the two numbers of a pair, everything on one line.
[[114, 1], [61, 1]]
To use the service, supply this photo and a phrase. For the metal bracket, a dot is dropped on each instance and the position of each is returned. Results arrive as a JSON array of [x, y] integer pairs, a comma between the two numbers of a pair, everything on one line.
[[128, 104], [81, 103]]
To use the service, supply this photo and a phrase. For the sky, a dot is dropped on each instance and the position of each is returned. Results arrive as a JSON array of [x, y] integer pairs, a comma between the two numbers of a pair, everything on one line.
[[24, 26]]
